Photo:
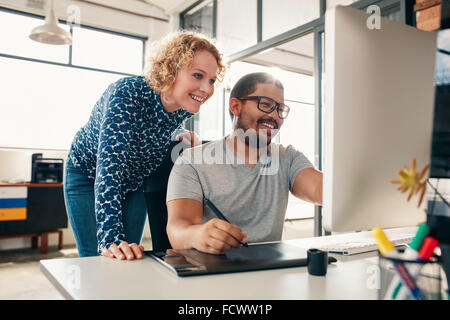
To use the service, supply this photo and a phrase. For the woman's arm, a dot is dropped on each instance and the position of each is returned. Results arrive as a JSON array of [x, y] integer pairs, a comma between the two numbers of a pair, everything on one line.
[[112, 159]]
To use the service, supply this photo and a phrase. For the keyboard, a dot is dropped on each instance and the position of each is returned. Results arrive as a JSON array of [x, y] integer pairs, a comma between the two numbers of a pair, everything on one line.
[[361, 242]]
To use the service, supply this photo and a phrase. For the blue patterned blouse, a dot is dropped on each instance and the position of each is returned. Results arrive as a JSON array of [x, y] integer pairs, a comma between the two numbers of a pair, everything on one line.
[[126, 138]]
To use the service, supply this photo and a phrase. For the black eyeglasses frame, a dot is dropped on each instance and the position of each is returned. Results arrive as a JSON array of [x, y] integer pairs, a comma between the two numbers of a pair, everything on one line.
[[281, 107]]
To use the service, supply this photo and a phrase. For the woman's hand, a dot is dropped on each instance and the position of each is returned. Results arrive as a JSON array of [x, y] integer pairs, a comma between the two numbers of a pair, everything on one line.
[[190, 138], [124, 251]]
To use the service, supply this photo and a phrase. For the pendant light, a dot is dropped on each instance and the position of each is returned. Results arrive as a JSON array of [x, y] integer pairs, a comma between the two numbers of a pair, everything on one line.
[[50, 32]]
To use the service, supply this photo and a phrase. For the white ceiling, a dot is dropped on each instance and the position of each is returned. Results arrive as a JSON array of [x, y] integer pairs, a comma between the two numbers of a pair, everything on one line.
[[170, 5]]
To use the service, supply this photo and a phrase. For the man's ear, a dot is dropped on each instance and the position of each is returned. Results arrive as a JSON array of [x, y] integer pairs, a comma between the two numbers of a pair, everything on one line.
[[235, 107]]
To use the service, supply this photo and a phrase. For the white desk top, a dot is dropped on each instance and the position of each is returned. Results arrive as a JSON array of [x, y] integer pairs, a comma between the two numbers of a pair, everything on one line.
[[105, 278]]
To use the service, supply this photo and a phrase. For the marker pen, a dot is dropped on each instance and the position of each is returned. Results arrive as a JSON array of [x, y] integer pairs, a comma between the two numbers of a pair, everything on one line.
[[425, 253], [388, 250], [385, 246], [410, 253]]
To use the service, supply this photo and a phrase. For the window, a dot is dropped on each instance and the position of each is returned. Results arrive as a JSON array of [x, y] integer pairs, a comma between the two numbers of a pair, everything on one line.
[[392, 12], [104, 50], [236, 25], [14, 40], [279, 16], [200, 18], [210, 122], [442, 74], [48, 91], [298, 130], [44, 105]]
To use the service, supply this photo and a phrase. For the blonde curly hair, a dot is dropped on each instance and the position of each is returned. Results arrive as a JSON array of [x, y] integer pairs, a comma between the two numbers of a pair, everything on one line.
[[174, 52]]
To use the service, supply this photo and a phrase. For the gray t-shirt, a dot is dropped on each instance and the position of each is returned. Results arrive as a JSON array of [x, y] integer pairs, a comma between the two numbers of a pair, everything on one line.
[[253, 198]]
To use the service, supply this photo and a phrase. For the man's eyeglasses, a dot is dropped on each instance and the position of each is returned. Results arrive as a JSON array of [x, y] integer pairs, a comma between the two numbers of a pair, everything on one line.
[[267, 105]]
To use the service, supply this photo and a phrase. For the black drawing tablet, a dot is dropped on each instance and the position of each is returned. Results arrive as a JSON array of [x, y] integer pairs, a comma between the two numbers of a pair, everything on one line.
[[254, 257]]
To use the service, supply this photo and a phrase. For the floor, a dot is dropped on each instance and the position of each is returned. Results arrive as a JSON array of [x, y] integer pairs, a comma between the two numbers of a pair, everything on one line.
[[21, 278]]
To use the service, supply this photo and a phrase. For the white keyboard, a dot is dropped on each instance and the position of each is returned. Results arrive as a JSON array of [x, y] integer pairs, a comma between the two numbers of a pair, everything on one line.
[[360, 242]]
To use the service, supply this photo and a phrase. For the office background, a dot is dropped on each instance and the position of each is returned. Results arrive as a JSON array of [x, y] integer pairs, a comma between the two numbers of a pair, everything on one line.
[[48, 91]]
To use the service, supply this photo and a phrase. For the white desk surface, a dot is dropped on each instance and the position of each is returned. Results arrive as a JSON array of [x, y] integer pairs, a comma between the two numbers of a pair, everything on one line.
[[106, 278]]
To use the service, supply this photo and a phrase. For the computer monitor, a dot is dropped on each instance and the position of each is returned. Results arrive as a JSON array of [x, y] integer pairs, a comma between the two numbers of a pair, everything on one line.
[[377, 116]]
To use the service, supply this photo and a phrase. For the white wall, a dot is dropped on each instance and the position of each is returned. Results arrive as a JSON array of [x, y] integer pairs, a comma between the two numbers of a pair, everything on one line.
[[15, 164]]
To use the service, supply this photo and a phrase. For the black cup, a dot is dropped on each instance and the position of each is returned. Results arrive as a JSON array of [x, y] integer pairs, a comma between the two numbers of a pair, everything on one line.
[[317, 262]]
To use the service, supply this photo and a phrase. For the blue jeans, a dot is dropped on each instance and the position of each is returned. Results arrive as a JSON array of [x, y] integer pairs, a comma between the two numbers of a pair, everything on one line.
[[80, 205]]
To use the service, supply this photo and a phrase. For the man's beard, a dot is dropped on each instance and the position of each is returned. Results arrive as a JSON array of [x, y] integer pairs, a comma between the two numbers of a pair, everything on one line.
[[251, 137]]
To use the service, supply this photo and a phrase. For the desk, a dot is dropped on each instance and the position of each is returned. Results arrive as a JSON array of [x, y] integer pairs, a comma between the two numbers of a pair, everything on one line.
[[105, 278]]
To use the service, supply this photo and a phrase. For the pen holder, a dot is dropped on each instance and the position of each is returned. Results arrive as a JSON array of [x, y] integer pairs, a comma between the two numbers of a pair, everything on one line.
[[410, 280]]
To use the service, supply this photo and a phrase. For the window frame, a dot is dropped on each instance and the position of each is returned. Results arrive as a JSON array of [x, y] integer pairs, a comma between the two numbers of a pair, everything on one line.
[[69, 64]]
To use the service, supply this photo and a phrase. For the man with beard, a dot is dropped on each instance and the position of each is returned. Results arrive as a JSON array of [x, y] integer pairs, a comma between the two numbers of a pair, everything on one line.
[[245, 176]]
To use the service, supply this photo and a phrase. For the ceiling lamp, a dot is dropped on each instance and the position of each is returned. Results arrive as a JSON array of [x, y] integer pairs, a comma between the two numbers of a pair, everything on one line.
[[50, 33]]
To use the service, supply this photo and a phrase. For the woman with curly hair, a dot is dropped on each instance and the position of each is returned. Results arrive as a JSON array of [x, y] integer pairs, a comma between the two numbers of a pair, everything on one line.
[[126, 139]]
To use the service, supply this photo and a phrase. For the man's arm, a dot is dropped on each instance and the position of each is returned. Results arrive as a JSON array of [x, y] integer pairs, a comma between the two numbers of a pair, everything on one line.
[[183, 216], [185, 229], [308, 185]]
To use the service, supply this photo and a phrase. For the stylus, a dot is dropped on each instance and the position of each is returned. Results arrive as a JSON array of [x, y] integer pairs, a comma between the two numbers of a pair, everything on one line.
[[219, 214]]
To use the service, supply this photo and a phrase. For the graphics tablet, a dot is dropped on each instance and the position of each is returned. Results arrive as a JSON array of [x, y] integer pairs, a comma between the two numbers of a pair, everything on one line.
[[254, 257]]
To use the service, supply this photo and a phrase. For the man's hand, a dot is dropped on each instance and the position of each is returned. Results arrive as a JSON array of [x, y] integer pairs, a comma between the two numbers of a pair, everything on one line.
[[124, 251], [186, 230], [217, 236]]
